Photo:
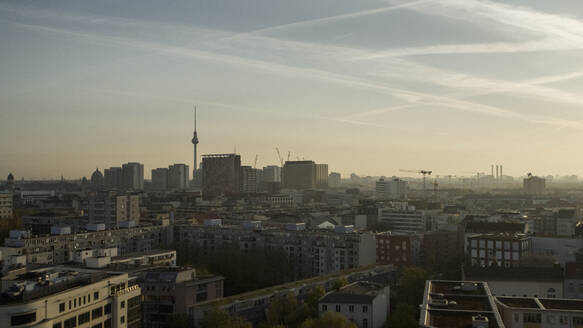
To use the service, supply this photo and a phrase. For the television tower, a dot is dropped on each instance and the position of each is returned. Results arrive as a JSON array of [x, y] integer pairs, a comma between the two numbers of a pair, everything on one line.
[[195, 143]]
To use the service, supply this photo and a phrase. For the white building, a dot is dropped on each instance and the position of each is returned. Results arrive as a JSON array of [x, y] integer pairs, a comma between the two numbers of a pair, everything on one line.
[[61, 297], [5, 205], [366, 304], [406, 220], [391, 189]]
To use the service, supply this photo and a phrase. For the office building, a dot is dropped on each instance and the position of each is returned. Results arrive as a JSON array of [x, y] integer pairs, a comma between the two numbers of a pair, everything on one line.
[[62, 297], [366, 304], [391, 189], [533, 185], [321, 176], [221, 175], [169, 291], [111, 209], [5, 204], [248, 180], [300, 175], [271, 173], [113, 178], [334, 179], [160, 178], [132, 176], [178, 177], [503, 250], [403, 220]]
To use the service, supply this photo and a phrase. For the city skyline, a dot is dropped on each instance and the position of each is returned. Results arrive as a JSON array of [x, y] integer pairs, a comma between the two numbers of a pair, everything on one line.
[[367, 87]]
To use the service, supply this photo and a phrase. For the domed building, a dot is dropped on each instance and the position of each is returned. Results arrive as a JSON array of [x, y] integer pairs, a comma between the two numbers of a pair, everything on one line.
[[97, 178], [10, 180]]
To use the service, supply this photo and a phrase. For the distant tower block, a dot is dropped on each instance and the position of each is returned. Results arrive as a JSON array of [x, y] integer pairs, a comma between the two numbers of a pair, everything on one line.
[[195, 143], [501, 174], [497, 175]]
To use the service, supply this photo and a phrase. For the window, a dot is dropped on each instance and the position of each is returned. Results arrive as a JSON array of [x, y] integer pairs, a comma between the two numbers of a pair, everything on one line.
[[364, 309], [84, 300], [96, 313], [75, 303], [364, 323], [61, 307], [122, 319], [107, 323], [107, 308], [99, 325], [564, 320], [69, 304], [89, 298], [577, 321], [95, 296], [84, 317], [551, 293], [351, 308], [22, 319], [338, 308], [123, 304], [57, 325], [531, 318], [70, 323], [324, 308]]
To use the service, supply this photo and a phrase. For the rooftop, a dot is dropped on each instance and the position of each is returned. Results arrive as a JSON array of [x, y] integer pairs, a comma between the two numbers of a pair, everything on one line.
[[363, 292], [522, 273]]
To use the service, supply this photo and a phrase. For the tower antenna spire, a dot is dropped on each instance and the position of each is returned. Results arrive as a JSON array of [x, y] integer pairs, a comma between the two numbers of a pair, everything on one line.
[[195, 118]]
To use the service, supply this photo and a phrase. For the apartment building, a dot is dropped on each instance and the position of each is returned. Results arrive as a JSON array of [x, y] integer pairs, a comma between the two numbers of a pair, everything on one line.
[[313, 252], [403, 220], [366, 304], [5, 205], [398, 249], [62, 297]]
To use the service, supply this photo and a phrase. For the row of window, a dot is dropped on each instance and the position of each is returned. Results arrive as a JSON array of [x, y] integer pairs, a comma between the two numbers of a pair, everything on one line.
[[80, 301], [351, 308], [481, 243], [86, 317], [563, 320], [70, 323]]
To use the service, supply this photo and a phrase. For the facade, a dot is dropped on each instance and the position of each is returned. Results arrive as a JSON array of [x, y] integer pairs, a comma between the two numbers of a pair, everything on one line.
[[391, 189], [160, 178], [111, 209], [440, 246], [172, 291], [520, 312], [5, 205], [178, 177], [59, 249], [313, 253], [533, 185], [406, 220], [221, 175], [334, 179], [248, 180], [271, 173], [573, 286], [321, 176], [366, 304], [41, 223], [61, 297], [132, 176], [113, 178], [398, 249], [503, 250], [300, 175]]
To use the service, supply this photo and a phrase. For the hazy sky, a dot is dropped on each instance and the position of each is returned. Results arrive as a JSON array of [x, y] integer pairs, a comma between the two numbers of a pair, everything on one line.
[[365, 86]]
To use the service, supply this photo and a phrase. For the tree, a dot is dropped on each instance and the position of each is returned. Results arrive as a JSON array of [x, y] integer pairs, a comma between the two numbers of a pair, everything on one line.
[[403, 317], [411, 286], [312, 300], [340, 282], [284, 311], [219, 318], [328, 320]]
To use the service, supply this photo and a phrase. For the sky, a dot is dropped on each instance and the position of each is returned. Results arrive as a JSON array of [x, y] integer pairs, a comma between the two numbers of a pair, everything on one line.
[[369, 86]]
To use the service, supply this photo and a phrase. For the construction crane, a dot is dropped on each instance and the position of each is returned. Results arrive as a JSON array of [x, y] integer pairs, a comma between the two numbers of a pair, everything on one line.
[[255, 164], [423, 172], [279, 156]]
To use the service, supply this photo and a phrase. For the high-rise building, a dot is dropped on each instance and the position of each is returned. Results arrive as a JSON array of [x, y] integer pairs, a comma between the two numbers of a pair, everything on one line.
[[533, 185], [178, 177], [5, 205], [334, 179], [391, 189], [132, 176], [321, 176], [113, 178], [160, 178], [271, 173], [299, 175], [221, 175], [111, 209], [248, 179]]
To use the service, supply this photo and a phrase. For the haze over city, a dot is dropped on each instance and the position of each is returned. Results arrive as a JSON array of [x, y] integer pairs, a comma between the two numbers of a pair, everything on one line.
[[366, 86]]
